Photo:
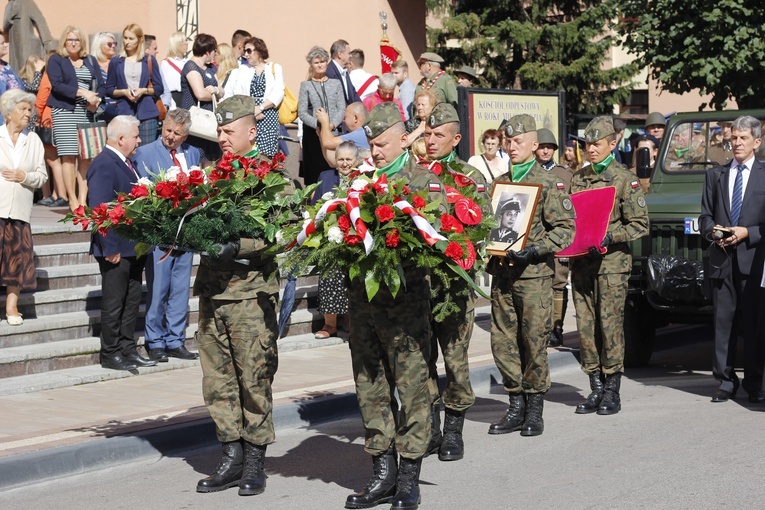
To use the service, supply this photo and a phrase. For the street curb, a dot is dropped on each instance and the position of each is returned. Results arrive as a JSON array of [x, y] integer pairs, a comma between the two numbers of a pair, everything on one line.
[[69, 460]]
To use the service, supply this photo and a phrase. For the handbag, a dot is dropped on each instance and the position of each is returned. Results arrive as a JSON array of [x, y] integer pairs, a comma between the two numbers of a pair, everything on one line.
[[288, 109], [91, 139], [160, 105], [45, 132], [203, 122]]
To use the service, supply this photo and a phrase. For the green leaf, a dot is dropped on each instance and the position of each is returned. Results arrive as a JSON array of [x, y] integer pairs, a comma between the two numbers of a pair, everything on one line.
[[372, 285]]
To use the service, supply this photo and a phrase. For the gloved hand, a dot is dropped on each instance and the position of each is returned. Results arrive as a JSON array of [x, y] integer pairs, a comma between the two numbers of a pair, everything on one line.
[[225, 251], [523, 257], [607, 240], [595, 253]]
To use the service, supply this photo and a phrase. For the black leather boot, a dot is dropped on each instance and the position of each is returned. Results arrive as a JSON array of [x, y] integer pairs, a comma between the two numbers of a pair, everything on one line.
[[452, 447], [253, 476], [229, 470], [534, 425], [556, 337], [612, 401], [407, 485], [593, 400], [382, 485], [435, 429], [513, 419]]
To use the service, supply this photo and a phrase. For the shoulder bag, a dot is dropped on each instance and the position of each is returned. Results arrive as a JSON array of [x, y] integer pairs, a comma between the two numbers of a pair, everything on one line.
[[288, 109], [203, 122], [160, 105]]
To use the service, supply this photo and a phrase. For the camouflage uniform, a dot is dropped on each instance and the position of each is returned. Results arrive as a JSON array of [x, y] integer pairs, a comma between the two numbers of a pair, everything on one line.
[[600, 284]]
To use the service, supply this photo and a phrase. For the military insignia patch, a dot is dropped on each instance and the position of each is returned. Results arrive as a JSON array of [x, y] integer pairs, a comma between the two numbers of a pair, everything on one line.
[[368, 131], [567, 205], [432, 120], [219, 118], [434, 187], [641, 201], [634, 184], [560, 185], [480, 188], [509, 130]]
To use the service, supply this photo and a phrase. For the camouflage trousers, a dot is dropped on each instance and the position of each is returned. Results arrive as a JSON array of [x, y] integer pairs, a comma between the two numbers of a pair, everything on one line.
[[390, 347], [237, 349], [599, 302], [521, 322], [453, 336]]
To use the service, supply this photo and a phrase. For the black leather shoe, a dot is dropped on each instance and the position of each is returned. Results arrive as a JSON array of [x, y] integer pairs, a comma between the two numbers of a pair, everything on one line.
[[556, 337], [140, 361], [117, 362], [757, 397], [723, 396], [181, 353], [158, 355]]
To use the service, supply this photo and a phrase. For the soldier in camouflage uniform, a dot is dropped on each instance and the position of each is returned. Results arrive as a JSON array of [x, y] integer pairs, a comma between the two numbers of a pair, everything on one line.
[[442, 134], [544, 155], [390, 343], [238, 292], [600, 281], [521, 291]]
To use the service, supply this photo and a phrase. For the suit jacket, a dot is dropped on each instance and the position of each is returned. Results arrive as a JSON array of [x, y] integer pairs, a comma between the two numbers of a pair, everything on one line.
[[145, 108], [153, 157], [333, 73], [107, 175], [715, 210], [63, 80]]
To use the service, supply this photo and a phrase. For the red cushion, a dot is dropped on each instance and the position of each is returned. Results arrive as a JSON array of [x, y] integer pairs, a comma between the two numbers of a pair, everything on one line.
[[593, 212]]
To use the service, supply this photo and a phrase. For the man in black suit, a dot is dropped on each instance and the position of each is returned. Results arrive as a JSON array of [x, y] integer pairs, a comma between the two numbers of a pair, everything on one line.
[[340, 51], [732, 214], [121, 271]]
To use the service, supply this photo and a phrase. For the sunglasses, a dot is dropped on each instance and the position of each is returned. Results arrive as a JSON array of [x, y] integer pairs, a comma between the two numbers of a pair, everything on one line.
[[111, 44], [249, 50], [72, 41]]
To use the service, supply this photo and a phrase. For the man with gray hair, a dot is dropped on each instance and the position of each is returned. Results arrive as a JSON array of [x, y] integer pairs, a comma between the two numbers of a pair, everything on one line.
[[168, 283], [337, 69], [732, 215], [112, 172]]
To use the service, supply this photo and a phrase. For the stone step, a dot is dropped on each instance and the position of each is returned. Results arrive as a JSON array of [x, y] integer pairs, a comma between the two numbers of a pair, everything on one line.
[[58, 233], [63, 254]]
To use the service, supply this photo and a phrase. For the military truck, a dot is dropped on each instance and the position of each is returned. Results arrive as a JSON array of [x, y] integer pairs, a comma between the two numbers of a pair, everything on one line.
[[667, 284]]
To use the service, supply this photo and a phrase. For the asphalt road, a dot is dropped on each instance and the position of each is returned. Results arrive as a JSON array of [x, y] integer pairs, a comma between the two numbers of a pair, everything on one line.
[[669, 448]]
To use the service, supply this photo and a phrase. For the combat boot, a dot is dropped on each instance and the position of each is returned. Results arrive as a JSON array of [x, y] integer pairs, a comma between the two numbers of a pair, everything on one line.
[[253, 476], [534, 425], [435, 429], [611, 402], [407, 485], [229, 470], [593, 400], [513, 419], [452, 447], [382, 485], [556, 337]]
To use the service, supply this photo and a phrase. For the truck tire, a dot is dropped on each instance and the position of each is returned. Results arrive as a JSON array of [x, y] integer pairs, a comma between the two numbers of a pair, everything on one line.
[[639, 332]]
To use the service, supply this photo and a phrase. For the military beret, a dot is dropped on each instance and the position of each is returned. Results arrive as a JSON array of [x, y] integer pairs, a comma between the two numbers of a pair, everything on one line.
[[655, 119], [519, 124], [234, 108], [382, 117], [546, 137], [429, 56], [468, 71], [650, 138], [512, 204], [598, 128], [443, 113]]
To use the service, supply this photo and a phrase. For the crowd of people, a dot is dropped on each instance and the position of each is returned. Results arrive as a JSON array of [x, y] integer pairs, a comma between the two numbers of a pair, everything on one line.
[[351, 120]]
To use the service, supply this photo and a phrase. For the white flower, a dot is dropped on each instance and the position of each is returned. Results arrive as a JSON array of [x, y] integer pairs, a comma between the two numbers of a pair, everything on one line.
[[145, 181], [328, 195], [306, 215], [359, 184], [335, 235], [172, 173], [279, 236], [194, 167]]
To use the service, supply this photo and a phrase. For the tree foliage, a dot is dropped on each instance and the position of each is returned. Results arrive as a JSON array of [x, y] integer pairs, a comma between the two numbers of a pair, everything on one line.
[[539, 45], [713, 46]]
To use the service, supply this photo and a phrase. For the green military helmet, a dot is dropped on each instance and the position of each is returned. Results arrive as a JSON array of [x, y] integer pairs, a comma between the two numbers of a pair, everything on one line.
[[519, 124], [234, 108], [443, 113], [382, 117], [655, 119], [546, 137], [599, 128], [429, 56]]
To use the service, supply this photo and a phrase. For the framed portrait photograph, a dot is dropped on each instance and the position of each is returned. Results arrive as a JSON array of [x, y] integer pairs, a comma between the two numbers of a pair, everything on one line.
[[514, 205]]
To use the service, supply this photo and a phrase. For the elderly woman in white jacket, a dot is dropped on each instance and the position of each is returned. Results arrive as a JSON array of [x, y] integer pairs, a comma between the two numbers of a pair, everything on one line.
[[22, 170], [264, 81]]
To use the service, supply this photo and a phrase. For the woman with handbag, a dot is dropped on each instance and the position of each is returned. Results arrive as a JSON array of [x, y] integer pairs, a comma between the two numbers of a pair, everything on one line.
[[104, 49], [77, 90], [171, 69], [318, 92], [198, 87], [264, 81], [135, 82]]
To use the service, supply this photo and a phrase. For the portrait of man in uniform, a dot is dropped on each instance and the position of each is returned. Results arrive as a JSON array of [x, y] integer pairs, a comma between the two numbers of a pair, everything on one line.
[[513, 206]]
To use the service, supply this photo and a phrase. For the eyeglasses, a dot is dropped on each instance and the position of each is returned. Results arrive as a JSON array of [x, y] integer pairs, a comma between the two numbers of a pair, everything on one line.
[[249, 50], [111, 44], [72, 41]]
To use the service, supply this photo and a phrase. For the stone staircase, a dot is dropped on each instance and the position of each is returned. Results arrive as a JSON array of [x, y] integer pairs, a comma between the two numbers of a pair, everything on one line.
[[58, 343]]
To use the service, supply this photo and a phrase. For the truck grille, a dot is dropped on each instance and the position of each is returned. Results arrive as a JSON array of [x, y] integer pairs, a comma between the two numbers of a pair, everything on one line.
[[668, 237]]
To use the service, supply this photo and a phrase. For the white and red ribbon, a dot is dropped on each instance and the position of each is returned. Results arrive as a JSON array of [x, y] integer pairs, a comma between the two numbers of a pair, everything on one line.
[[423, 226]]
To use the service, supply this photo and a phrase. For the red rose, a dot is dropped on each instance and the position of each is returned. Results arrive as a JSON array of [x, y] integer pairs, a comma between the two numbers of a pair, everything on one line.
[[196, 177], [468, 211], [452, 195], [352, 239], [462, 180], [139, 191], [392, 239], [418, 202], [453, 250], [164, 190], [384, 213], [451, 224], [344, 222]]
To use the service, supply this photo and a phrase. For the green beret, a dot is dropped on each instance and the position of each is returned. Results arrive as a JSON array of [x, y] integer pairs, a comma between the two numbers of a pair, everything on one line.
[[655, 119], [382, 117], [233, 108], [429, 56], [546, 137], [599, 128], [468, 71], [443, 113], [519, 124]]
